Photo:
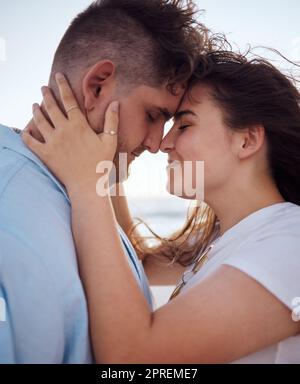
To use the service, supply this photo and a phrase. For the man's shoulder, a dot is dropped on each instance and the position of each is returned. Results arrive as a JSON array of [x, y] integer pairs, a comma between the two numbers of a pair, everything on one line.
[[35, 228], [33, 207], [20, 177], [20, 168]]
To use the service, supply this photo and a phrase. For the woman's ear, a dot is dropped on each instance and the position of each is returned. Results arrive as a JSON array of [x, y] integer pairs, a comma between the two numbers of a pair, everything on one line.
[[252, 140], [99, 80]]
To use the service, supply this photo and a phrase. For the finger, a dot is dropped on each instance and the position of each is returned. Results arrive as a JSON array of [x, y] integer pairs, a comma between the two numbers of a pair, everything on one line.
[[67, 96], [33, 144], [42, 124], [55, 114], [111, 125]]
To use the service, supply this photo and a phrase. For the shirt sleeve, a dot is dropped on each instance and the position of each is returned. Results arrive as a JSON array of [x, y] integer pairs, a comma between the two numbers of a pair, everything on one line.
[[33, 327], [47, 319], [7, 355], [274, 262]]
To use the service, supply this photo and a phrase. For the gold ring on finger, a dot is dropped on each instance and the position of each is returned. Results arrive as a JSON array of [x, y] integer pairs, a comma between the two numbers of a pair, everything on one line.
[[111, 133], [71, 108]]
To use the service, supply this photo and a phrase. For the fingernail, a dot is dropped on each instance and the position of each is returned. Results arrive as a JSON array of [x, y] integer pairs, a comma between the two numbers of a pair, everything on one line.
[[115, 106], [35, 106], [44, 89], [59, 76]]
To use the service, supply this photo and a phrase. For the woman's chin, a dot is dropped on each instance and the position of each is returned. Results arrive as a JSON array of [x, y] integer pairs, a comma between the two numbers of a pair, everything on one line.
[[177, 191]]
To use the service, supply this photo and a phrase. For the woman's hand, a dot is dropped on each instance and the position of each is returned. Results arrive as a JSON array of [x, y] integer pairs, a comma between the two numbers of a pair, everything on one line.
[[72, 150]]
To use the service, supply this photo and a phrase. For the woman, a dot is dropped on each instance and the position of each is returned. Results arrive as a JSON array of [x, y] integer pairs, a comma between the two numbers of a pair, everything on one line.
[[242, 118]]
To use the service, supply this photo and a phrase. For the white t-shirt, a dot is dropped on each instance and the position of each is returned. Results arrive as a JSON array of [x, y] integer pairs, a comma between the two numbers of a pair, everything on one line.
[[266, 246]]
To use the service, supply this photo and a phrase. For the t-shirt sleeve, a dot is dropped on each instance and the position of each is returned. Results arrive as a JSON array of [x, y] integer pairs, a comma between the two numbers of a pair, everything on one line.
[[274, 262]]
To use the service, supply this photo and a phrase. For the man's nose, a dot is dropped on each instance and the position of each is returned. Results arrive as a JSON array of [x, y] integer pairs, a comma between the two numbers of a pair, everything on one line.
[[153, 141], [168, 143]]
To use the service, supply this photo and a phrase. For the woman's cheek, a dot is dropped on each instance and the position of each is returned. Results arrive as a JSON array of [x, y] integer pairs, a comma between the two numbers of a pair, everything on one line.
[[187, 148]]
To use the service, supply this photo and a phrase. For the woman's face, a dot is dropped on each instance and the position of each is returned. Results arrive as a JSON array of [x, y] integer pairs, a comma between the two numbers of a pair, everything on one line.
[[199, 135]]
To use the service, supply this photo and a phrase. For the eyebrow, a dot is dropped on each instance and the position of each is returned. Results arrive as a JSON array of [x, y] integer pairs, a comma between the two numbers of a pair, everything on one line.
[[166, 113], [180, 114]]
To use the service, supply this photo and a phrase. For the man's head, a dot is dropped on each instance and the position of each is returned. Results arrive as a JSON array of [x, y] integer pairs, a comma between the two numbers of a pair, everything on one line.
[[138, 52]]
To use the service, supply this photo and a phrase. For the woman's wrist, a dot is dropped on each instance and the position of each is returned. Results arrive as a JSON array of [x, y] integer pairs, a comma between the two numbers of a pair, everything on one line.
[[82, 189]]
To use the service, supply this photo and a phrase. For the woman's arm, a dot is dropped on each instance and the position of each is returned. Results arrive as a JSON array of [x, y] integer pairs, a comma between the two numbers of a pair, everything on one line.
[[109, 275]]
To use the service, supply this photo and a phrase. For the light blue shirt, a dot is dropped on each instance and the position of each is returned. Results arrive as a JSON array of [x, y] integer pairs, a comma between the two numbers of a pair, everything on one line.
[[46, 319]]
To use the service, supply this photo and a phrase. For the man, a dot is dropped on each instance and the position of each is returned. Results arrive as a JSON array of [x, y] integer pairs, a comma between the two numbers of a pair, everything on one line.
[[137, 51]]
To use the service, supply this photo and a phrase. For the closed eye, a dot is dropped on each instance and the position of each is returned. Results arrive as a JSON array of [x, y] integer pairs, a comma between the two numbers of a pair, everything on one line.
[[183, 127], [151, 118]]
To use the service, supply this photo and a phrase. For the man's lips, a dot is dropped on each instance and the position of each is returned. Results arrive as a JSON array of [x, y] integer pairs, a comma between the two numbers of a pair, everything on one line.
[[133, 156], [138, 153]]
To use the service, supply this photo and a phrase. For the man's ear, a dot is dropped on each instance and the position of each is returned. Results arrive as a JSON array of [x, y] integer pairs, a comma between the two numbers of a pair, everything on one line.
[[99, 79], [252, 140]]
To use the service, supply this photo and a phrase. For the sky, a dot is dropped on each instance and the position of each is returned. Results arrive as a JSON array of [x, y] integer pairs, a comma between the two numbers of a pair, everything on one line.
[[31, 30]]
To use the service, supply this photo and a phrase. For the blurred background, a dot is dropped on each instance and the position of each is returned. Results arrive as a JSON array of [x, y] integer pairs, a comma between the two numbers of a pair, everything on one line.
[[31, 30]]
